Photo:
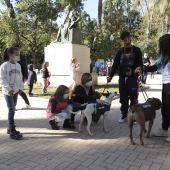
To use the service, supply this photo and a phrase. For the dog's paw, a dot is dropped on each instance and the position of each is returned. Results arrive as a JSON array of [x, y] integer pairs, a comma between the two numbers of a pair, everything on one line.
[[80, 131], [133, 143], [90, 134], [142, 144], [106, 130]]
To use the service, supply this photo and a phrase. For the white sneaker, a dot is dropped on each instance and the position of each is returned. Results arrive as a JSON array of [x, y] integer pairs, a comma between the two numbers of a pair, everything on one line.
[[122, 120], [167, 139], [28, 106], [161, 133]]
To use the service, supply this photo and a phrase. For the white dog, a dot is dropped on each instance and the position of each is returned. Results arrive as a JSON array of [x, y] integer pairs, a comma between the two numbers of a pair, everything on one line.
[[94, 108]]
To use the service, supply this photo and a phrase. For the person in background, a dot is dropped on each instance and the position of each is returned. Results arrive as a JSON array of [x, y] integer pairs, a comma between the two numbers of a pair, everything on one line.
[[91, 67], [45, 76], [74, 67], [24, 70], [146, 62], [59, 108], [12, 85], [163, 64], [98, 66], [152, 73], [127, 59], [32, 78]]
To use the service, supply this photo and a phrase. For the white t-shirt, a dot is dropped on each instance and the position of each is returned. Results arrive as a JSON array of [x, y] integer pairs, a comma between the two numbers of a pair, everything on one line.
[[11, 77], [166, 74]]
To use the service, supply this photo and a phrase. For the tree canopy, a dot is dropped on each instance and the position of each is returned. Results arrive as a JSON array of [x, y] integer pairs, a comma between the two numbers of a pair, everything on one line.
[[33, 24]]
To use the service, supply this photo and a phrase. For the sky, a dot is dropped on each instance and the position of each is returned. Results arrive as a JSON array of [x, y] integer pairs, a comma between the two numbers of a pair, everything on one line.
[[90, 6]]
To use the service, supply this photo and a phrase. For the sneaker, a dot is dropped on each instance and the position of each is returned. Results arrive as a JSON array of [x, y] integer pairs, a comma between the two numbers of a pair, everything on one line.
[[28, 106], [161, 133], [167, 139], [122, 120]]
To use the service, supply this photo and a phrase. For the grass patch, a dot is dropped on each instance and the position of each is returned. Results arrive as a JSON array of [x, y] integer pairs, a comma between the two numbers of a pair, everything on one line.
[[37, 90]]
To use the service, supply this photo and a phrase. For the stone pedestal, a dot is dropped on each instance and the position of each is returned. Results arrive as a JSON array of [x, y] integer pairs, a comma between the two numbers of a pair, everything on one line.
[[59, 56]]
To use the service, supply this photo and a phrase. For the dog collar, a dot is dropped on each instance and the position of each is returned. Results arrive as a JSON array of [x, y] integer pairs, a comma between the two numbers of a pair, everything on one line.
[[152, 104]]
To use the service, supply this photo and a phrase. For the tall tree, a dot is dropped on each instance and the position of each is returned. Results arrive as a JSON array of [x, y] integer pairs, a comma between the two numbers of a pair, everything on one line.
[[100, 13]]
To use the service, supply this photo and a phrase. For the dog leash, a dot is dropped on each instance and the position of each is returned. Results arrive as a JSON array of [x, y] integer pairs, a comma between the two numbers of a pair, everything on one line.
[[143, 92], [141, 86], [105, 87]]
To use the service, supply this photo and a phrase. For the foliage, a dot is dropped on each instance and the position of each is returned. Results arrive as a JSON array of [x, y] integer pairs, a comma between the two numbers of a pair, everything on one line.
[[33, 24]]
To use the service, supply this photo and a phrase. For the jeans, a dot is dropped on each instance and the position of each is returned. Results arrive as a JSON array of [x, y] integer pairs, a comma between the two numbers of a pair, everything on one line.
[[11, 103]]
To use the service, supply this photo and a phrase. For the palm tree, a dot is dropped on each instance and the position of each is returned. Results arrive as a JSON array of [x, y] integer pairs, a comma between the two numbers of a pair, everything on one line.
[[100, 13]]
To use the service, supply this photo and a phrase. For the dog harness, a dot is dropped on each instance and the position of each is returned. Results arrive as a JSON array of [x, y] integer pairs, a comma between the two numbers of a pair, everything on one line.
[[99, 109], [148, 110]]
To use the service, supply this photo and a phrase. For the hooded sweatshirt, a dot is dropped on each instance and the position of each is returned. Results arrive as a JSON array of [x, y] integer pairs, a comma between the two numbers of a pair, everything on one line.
[[32, 77], [11, 77]]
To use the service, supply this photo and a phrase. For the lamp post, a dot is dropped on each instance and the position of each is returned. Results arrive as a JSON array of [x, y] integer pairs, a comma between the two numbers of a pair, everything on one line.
[[111, 45]]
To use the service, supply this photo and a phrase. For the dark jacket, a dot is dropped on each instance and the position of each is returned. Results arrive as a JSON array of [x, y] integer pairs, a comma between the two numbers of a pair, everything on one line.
[[80, 96], [32, 77], [123, 68], [24, 68]]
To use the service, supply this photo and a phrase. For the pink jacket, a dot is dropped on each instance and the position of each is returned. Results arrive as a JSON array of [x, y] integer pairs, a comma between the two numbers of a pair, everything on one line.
[[48, 111]]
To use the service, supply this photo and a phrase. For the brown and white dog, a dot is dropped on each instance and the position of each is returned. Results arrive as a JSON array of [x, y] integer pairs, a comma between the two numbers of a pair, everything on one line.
[[142, 113], [93, 111]]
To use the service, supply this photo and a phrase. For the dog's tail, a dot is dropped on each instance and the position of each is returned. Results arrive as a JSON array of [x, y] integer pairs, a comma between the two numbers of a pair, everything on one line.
[[74, 112]]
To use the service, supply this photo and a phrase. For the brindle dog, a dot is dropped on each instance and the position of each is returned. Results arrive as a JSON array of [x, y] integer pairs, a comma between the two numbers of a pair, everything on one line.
[[142, 113]]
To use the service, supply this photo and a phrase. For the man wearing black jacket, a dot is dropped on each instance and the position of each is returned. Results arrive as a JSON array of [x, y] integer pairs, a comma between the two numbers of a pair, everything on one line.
[[24, 71], [127, 59]]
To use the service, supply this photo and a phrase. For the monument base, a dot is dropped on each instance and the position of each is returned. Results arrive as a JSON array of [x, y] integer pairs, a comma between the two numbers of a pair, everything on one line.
[[59, 57]]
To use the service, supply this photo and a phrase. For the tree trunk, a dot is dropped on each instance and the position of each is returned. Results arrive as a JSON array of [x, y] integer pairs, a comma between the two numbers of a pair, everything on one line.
[[34, 58], [100, 13]]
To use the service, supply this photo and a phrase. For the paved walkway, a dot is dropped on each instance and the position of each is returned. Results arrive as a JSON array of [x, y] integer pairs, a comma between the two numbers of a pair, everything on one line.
[[46, 149]]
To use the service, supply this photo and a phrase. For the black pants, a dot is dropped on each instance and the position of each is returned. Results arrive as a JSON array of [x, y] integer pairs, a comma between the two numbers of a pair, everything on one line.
[[128, 89], [30, 87], [24, 96], [165, 106]]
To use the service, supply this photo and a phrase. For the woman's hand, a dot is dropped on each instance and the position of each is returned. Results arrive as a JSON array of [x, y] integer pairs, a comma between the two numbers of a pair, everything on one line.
[[82, 105], [20, 91], [138, 70]]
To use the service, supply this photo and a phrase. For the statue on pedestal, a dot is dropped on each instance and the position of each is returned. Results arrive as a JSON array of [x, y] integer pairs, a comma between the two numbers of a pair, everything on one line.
[[70, 31]]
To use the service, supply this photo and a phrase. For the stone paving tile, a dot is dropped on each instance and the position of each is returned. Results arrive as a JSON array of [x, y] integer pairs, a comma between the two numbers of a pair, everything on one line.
[[46, 149]]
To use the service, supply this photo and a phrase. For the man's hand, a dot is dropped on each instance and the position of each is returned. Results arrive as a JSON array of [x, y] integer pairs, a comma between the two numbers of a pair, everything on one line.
[[109, 79]]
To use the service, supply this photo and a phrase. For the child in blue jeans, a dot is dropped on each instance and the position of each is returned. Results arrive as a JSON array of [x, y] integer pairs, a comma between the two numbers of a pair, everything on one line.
[[12, 85]]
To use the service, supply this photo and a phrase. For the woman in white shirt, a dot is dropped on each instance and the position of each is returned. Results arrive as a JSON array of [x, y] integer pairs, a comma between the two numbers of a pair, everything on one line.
[[163, 64]]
